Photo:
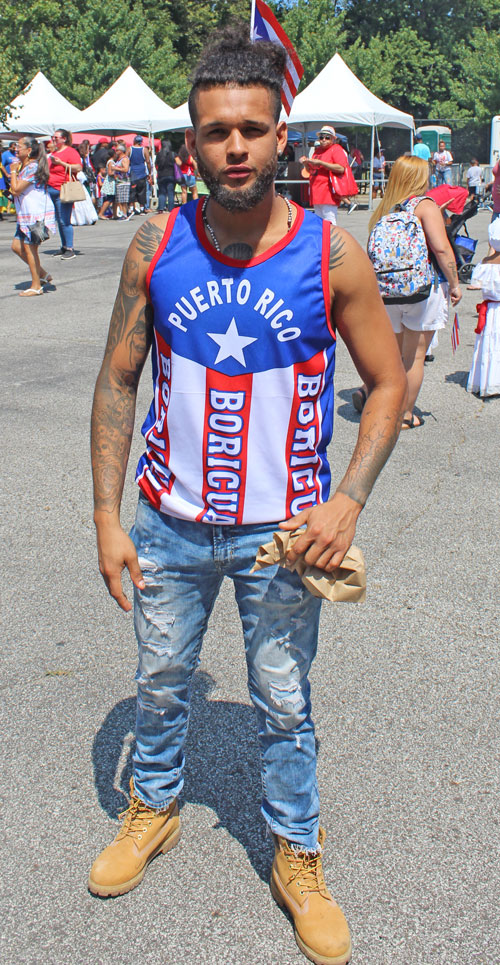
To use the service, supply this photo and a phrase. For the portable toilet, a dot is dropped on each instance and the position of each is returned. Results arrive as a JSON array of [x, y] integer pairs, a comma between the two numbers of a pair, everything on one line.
[[433, 134]]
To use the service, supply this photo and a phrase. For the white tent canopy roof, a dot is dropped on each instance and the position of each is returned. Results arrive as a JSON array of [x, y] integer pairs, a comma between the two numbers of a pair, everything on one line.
[[337, 96], [128, 105], [181, 118], [41, 109]]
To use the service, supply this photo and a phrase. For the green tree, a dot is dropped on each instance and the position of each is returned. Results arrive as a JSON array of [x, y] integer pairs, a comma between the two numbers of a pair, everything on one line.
[[403, 69], [9, 84], [475, 82], [443, 23], [194, 22]]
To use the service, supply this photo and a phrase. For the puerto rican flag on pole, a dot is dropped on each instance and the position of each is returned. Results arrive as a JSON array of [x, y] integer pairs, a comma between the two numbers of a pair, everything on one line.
[[264, 26]]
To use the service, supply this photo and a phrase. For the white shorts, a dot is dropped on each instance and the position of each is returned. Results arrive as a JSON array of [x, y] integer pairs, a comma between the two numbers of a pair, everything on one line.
[[427, 316], [327, 211]]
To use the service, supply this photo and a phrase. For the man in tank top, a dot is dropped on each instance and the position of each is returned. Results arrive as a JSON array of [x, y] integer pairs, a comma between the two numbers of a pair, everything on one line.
[[140, 171], [240, 298]]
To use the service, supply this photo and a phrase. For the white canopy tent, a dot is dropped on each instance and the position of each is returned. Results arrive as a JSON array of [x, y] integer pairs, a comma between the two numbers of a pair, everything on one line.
[[181, 118], [336, 96], [128, 105], [40, 109]]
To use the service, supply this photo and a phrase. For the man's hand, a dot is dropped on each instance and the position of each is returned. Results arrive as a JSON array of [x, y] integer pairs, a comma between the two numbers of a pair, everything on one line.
[[329, 534], [455, 295], [117, 551]]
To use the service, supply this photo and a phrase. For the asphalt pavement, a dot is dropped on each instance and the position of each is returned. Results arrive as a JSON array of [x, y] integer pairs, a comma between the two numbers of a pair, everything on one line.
[[405, 686]]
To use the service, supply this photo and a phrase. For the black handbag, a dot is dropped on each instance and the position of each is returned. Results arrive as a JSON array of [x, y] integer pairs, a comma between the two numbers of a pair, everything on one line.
[[38, 232]]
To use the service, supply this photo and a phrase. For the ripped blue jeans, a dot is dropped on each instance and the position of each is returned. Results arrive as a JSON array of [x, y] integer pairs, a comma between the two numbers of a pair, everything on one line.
[[184, 564]]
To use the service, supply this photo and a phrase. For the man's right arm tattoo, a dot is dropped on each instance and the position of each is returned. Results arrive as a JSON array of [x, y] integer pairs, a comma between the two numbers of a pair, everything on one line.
[[147, 240], [113, 410]]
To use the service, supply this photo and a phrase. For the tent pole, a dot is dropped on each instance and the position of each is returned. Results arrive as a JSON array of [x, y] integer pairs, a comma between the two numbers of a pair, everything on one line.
[[154, 192], [370, 202]]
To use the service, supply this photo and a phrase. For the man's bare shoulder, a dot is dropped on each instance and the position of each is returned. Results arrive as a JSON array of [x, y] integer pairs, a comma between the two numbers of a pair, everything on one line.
[[147, 239], [349, 266], [344, 249]]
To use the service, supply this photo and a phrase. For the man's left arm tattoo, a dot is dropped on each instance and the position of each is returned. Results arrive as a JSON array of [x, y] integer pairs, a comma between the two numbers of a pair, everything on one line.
[[337, 249], [371, 452]]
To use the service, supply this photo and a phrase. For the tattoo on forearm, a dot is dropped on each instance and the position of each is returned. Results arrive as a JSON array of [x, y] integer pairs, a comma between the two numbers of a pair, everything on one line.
[[113, 411], [147, 240], [369, 457], [452, 268], [336, 249]]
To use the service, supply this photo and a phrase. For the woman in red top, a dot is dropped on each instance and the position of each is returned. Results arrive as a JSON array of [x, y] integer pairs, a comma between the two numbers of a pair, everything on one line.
[[329, 158], [63, 162], [187, 164]]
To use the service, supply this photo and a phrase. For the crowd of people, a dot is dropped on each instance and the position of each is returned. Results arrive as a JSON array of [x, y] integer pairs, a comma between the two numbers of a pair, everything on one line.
[[116, 181]]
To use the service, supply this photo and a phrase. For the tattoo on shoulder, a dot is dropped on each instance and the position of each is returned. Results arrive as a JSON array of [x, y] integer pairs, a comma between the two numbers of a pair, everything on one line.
[[337, 247], [147, 240]]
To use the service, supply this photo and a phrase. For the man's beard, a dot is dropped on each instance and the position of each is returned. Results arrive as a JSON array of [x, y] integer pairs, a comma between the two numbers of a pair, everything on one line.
[[239, 199]]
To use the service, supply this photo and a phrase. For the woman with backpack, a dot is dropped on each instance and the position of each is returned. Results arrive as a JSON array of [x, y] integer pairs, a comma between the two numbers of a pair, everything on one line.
[[415, 268]]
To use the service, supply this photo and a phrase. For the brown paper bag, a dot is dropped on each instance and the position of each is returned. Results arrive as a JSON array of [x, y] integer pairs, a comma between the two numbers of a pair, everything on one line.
[[345, 584]]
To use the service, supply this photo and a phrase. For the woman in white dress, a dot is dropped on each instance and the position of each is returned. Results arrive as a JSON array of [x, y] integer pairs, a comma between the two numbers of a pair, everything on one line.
[[34, 208], [484, 375], [83, 212]]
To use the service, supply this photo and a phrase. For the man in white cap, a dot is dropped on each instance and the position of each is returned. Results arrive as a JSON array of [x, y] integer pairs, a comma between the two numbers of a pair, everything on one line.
[[329, 158]]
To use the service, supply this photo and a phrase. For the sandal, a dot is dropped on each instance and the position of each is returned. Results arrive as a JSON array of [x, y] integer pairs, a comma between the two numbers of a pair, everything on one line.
[[414, 423], [358, 399], [46, 278], [30, 292]]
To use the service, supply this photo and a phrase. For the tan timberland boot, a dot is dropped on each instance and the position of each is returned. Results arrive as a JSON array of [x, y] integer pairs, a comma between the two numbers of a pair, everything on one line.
[[143, 835], [297, 884]]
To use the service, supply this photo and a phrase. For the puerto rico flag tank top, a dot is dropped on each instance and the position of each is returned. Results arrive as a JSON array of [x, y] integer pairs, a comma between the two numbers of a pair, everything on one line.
[[243, 358]]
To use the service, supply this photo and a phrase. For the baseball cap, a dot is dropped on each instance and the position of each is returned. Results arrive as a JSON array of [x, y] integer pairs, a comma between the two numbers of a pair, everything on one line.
[[102, 140], [327, 129], [137, 139], [418, 137]]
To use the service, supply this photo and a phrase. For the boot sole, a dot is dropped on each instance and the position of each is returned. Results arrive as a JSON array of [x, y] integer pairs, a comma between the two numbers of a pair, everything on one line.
[[310, 953], [109, 891]]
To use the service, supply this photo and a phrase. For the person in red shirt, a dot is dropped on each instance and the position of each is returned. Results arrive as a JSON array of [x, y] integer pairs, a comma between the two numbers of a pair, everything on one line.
[[450, 198], [329, 158], [64, 162]]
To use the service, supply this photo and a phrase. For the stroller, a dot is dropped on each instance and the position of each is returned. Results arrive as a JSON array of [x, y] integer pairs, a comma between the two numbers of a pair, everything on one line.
[[462, 244]]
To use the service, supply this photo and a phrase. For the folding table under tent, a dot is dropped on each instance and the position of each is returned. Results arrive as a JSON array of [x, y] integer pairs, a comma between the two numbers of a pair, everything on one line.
[[40, 110], [336, 96]]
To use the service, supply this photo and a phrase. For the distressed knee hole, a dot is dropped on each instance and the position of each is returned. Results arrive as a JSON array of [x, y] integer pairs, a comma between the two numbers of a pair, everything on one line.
[[287, 697], [160, 618]]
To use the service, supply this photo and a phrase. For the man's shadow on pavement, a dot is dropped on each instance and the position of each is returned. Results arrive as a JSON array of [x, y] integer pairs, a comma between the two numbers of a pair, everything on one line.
[[222, 769]]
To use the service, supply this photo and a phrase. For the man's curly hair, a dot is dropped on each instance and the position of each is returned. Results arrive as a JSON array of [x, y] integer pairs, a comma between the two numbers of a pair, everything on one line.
[[230, 59]]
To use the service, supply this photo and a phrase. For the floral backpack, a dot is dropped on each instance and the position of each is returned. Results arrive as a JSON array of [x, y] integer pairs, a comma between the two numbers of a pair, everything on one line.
[[398, 251]]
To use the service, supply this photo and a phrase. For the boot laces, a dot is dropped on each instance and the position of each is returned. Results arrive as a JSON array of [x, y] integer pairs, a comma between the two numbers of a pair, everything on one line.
[[137, 817], [306, 870]]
